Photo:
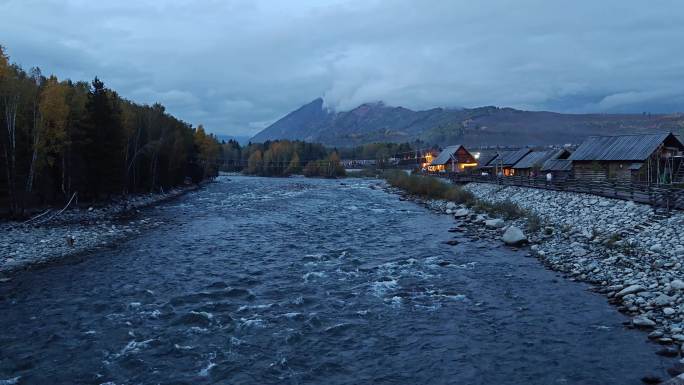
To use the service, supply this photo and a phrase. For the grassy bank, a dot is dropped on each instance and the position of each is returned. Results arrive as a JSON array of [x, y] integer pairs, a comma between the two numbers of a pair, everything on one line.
[[428, 187]]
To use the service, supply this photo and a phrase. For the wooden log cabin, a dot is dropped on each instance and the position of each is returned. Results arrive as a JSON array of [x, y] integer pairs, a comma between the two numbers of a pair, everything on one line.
[[453, 159], [502, 163], [643, 158], [560, 169], [531, 164]]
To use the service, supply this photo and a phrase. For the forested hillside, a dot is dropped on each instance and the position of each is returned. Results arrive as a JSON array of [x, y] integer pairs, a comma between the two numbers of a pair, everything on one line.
[[482, 126], [60, 137]]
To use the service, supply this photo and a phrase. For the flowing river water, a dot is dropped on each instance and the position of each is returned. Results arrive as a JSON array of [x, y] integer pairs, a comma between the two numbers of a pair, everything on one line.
[[303, 281]]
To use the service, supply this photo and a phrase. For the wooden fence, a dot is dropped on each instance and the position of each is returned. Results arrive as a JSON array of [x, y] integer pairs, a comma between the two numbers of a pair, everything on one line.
[[661, 197]]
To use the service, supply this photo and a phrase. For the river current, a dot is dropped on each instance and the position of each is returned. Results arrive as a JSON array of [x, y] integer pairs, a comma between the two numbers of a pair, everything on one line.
[[305, 281]]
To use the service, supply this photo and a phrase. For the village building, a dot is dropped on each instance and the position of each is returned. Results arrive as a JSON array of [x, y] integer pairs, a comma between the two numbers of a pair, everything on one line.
[[453, 159], [560, 169], [488, 161], [418, 158], [531, 164], [502, 163], [646, 158]]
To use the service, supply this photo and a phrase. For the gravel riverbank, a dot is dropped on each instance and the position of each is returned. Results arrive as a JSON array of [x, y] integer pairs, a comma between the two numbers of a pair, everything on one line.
[[76, 231], [626, 251], [632, 255]]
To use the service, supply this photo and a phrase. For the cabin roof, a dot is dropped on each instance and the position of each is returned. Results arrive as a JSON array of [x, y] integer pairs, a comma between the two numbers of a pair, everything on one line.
[[446, 154], [637, 147], [485, 159], [557, 165], [534, 159], [513, 157], [538, 158]]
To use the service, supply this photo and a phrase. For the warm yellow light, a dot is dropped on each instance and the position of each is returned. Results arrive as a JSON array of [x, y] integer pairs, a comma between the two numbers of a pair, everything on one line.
[[464, 165]]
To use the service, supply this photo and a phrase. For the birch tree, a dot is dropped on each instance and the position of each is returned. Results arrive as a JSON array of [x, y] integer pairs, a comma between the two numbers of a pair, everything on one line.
[[9, 100]]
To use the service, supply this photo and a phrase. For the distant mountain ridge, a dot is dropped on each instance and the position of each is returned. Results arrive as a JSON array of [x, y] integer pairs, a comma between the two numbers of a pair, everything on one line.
[[377, 122]]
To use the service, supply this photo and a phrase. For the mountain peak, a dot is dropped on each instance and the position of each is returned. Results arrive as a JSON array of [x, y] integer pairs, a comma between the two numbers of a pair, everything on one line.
[[488, 125]]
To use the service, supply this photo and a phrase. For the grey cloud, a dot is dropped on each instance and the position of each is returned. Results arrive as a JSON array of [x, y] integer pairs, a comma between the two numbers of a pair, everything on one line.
[[238, 65]]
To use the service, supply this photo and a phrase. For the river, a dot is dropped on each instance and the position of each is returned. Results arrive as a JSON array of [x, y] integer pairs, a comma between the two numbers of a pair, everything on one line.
[[305, 281]]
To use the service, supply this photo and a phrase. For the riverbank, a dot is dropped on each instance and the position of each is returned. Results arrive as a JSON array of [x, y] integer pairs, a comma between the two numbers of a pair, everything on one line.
[[77, 231], [626, 251], [631, 254], [308, 281]]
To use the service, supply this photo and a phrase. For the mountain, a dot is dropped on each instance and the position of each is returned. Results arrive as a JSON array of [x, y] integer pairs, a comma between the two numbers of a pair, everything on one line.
[[377, 122]]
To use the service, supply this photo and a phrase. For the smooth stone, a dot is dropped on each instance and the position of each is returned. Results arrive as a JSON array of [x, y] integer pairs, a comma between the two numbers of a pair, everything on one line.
[[630, 290], [461, 213], [662, 300], [644, 322], [495, 223], [513, 236]]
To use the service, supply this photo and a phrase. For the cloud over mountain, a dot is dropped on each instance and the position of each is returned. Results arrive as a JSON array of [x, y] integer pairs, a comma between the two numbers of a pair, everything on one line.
[[237, 65]]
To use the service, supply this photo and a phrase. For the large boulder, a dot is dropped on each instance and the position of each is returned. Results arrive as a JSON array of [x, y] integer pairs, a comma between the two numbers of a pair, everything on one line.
[[451, 205], [677, 284], [460, 213], [513, 236], [495, 223]]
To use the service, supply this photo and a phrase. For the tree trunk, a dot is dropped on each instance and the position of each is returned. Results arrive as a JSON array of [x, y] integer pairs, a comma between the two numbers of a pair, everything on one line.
[[11, 106], [32, 167], [154, 170]]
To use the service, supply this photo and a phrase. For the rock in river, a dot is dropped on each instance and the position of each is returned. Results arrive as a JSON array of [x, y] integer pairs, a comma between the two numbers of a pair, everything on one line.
[[495, 223], [514, 236]]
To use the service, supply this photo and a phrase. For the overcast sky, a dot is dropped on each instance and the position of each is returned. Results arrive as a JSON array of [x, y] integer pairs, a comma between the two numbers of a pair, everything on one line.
[[236, 66]]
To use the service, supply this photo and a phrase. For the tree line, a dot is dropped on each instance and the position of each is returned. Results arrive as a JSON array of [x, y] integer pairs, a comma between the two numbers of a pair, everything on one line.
[[287, 157], [61, 138], [281, 158]]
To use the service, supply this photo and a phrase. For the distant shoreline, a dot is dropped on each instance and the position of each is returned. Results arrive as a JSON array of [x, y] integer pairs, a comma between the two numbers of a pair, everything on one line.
[[25, 247]]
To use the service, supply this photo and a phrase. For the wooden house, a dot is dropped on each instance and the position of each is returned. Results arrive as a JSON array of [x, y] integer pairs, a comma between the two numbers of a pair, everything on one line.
[[502, 163], [559, 169], [418, 159], [453, 159], [531, 164], [647, 158]]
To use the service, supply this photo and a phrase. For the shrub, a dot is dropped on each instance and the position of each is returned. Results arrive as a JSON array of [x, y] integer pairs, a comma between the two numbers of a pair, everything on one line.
[[534, 223], [505, 209], [428, 187]]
